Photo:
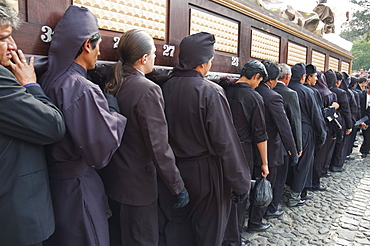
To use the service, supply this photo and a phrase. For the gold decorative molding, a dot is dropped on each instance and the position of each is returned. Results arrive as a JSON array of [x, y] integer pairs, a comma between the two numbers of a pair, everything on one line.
[[275, 23], [318, 59], [225, 31], [265, 46]]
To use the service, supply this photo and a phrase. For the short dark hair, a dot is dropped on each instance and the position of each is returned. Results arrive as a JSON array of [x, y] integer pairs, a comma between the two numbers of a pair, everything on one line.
[[252, 68], [93, 40], [339, 76], [272, 70], [361, 80]]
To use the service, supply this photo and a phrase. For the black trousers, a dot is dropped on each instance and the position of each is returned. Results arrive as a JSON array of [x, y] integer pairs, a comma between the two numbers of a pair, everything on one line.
[[278, 189], [133, 225], [365, 147], [337, 159], [300, 176]]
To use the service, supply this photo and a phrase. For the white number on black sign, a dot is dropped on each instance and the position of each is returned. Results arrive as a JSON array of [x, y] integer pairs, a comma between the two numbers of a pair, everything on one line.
[[234, 61], [116, 41], [168, 50], [48, 34]]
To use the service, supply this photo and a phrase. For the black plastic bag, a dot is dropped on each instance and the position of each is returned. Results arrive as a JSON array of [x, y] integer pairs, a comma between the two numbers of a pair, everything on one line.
[[262, 193]]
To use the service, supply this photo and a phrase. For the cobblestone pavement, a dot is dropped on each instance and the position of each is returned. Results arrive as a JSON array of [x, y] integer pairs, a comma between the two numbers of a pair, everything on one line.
[[338, 216]]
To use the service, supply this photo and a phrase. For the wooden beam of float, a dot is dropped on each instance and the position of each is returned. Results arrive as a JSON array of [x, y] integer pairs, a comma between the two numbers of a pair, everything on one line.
[[271, 21]]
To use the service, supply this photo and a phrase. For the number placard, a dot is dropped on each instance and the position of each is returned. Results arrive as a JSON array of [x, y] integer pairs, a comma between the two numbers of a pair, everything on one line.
[[116, 41], [234, 61], [168, 50], [48, 34]]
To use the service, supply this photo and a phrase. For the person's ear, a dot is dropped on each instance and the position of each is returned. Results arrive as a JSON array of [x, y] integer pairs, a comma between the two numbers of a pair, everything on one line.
[[87, 46], [144, 59]]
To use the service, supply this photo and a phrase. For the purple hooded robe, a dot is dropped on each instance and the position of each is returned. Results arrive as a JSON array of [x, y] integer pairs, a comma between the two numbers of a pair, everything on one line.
[[93, 134]]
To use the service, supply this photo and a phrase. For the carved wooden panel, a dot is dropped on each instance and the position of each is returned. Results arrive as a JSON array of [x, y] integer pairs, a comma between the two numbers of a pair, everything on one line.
[[265, 46], [296, 53], [123, 15], [225, 30], [333, 63], [345, 67], [318, 59]]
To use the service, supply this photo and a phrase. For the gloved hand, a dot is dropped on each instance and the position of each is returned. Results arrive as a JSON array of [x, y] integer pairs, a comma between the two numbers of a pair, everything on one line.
[[239, 198], [182, 199], [112, 103], [294, 160]]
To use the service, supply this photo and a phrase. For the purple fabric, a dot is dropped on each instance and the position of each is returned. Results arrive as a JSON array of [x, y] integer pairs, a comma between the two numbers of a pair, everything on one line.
[[76, 26], [321, 85]]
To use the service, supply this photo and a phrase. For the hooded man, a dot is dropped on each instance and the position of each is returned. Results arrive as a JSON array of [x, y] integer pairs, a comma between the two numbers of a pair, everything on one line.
[[28, 121], [313, 125], [93, 133], [206, 145], [353, 106], [334, 81]]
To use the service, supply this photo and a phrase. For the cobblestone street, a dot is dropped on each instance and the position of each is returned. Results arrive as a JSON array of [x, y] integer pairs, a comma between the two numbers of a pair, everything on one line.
[[338, 216]]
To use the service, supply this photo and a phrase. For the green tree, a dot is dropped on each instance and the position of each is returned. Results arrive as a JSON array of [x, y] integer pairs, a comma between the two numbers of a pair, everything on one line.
[[361, 53], [358, 27]]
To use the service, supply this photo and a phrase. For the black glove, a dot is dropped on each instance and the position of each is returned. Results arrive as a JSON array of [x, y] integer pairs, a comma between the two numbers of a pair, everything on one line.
[[294, 160], [239, 198], [182, 199], [112, 103]]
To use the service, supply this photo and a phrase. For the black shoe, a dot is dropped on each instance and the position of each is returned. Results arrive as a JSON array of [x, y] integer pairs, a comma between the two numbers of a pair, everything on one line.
[[246, 243], [337, 169], [325, 175], [276, 214], [298, 204], [363, 155], [308, 196], [319, 188], [261, 227]]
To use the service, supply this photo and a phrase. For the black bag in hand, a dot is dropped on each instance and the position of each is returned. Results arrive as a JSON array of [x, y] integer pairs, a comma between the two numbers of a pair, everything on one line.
[[262, 193]]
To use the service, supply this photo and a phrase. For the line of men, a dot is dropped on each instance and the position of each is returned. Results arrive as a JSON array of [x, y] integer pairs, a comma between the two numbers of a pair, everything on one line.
[[175, 161]]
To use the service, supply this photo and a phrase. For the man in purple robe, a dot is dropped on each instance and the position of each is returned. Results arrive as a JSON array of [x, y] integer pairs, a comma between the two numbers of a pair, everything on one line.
[[206, 146], [93, 133]]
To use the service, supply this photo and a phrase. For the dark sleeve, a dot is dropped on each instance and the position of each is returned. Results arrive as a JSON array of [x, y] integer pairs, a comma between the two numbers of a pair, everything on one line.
[[317, 120], [293, 112], [257, 121], [28, 114], [280, 119], [94, 130], [357, 96], [353, 106], [153, 126], [225, 141], [345, 110], [318, 98]]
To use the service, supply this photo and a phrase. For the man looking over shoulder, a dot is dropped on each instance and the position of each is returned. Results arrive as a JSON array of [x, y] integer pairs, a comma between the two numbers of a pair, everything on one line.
[[28, 121], [93, 132]]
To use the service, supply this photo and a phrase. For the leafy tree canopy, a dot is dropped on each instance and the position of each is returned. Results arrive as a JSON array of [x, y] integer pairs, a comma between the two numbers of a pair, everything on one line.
[[358, 27], [357, 30], [361, 51]]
